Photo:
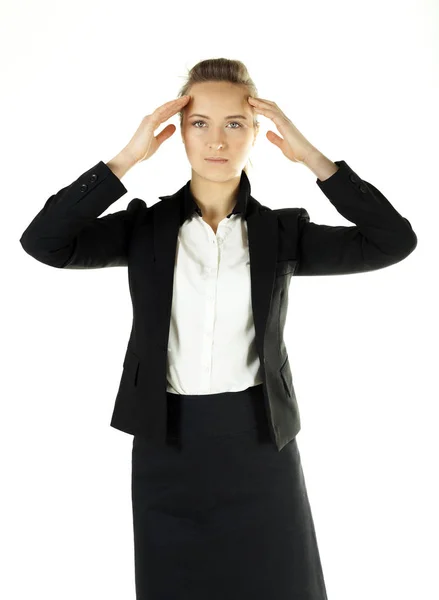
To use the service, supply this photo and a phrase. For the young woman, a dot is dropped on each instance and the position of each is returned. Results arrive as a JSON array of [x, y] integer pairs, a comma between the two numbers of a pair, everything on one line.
[[220, 506]]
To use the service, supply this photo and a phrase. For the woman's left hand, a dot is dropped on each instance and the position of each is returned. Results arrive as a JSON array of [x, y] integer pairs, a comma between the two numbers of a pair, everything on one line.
[[294, 145]]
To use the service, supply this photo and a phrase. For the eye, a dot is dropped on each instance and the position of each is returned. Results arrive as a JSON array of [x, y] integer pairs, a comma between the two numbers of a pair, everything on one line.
[[236, 122]]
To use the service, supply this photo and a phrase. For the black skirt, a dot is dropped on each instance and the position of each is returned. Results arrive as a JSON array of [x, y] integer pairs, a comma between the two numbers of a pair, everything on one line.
[[218, 512]]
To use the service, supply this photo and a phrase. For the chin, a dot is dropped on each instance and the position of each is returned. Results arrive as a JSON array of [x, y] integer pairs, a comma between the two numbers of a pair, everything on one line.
[[217, 172]]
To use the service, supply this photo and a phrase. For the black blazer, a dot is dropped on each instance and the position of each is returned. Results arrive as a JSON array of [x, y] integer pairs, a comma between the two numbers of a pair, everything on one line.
[[69, 234]]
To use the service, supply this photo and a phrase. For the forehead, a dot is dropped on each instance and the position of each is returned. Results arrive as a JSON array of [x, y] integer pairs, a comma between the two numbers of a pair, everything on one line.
[[218, 88], [237, 116], [219, 99]]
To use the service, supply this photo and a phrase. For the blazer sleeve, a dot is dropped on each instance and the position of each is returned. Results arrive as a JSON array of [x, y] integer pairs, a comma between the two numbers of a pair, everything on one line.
[[380, 237], [68, 233]]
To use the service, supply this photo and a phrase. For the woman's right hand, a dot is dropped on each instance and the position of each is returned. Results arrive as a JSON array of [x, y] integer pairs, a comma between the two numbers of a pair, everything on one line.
[[144, 144]]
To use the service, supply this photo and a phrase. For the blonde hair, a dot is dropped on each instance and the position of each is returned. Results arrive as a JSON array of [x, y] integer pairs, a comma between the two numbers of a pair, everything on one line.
[[220, 69]]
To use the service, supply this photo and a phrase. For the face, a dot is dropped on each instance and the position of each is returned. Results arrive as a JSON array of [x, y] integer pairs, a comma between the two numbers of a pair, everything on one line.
[[217, 133]]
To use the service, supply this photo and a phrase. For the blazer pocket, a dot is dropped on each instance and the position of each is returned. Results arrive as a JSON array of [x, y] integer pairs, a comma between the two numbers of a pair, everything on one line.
[[286, 376], [131, 365], [285, 267]]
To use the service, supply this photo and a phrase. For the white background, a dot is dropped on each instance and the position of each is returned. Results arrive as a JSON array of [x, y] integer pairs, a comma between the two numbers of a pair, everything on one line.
[[360, 81]]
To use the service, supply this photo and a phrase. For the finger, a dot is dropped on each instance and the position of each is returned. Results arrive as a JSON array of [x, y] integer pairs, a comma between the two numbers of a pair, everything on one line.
[[170, 106], [261, 100], [263, 109], [172, 103]]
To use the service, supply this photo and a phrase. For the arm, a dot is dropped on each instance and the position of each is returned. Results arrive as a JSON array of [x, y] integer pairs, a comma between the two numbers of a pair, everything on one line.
[[68, 232], [379, 238]]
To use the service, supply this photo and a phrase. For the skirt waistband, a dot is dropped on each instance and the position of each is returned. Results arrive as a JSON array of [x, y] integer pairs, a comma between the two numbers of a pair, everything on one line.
[[216, 414]]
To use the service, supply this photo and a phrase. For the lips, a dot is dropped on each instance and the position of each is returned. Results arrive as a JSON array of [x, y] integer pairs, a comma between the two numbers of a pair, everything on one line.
[[217, 159]]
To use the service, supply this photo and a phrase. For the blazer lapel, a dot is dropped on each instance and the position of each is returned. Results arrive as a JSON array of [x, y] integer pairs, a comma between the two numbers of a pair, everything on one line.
[[263, 247]]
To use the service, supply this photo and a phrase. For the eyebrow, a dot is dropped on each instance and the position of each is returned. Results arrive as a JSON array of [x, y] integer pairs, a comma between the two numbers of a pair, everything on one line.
[[229, 117]]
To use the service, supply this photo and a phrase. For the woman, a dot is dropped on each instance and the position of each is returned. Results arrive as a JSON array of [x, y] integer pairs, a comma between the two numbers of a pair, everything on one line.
[[219, 510]]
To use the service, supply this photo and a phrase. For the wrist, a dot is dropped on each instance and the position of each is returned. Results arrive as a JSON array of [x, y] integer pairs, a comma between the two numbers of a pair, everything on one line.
[[122, 163], [320, 165], [127, 157], [310, 155]]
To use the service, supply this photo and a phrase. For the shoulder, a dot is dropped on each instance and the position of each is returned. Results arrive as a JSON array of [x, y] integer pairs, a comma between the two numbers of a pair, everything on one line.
[[136, 204], [290, 216]]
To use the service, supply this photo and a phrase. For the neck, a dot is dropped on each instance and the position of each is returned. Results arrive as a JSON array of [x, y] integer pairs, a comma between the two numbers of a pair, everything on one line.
[[216, 199]]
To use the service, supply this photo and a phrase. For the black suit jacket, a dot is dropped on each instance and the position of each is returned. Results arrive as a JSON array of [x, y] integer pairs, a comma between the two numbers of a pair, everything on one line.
[[69, 234]]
